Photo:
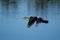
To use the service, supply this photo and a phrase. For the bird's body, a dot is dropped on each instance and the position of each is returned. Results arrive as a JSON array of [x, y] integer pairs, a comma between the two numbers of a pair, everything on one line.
[[32, 19]]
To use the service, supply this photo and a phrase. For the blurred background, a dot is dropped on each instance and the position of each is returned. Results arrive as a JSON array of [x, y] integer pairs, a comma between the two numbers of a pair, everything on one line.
[[12, 27]]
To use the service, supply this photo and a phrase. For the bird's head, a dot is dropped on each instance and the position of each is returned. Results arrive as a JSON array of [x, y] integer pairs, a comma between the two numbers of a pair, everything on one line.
[[26, 18]]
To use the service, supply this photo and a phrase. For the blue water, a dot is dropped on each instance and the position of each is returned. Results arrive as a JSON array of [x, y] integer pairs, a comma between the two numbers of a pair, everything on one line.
[[12, 27]]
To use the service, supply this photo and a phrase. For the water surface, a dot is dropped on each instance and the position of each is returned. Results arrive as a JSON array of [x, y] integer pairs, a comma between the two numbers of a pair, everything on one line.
[[12, 27]]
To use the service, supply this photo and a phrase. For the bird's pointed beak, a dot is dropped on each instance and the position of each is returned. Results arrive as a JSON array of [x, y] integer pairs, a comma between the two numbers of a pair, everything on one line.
[[26, 18]]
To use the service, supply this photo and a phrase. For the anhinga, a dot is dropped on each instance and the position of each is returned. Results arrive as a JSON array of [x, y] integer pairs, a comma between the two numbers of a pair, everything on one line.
[[32, 19]]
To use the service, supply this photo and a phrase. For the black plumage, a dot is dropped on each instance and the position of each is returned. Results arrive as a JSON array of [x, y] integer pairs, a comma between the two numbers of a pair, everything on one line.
[[37, 19]]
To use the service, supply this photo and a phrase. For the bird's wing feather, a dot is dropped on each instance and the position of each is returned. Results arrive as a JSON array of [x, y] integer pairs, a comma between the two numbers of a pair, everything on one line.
[[31, 22], [39, 20]]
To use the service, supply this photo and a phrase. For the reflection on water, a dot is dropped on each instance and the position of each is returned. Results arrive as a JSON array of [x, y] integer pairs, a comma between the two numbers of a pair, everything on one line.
[[9, 7], [12, 27], [33, 7], [43, 6]]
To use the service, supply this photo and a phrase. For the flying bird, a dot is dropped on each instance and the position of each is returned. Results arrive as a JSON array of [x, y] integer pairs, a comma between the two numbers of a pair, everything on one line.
[[32, 19]]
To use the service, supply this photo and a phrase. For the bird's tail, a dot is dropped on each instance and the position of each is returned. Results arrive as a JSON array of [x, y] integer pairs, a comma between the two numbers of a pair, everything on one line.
[[44, 21]]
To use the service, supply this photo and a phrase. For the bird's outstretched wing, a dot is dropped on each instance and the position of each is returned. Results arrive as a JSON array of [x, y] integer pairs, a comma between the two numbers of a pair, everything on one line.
[[31, 22], [39, 20]]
